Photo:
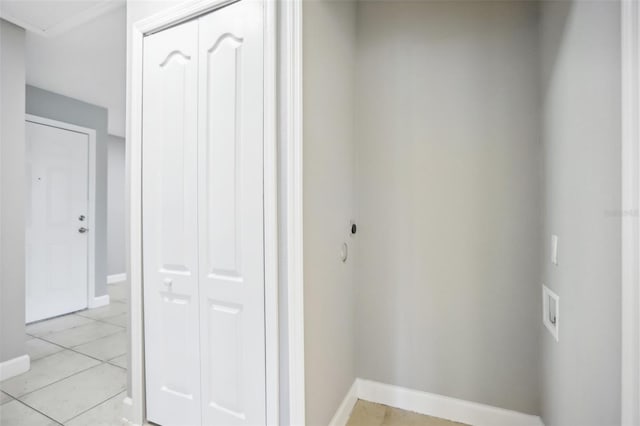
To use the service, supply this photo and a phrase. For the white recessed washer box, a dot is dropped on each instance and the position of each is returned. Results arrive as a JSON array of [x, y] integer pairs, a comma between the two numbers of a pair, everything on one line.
[[551, 311]]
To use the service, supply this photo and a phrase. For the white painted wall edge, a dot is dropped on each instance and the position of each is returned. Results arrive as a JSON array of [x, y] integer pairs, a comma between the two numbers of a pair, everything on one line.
[[630, 43], [99, 301], [444, 407], [116, 278], [14, 367]]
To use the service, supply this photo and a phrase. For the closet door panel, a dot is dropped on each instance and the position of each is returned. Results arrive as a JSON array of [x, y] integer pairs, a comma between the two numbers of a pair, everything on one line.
[[231, 215], [170, 230]]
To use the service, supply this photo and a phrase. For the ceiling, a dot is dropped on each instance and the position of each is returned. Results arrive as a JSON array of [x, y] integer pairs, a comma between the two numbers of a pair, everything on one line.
[[87, 62], [53, 17]]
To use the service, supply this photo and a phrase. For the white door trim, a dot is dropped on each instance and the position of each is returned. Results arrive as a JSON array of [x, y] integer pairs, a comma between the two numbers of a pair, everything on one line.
[[630, 212], [92, 300], [292, 146], [182, 12]]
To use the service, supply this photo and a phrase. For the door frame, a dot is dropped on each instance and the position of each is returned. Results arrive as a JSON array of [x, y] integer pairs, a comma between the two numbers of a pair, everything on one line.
[[135, 410], [92, 301], [630, 213]]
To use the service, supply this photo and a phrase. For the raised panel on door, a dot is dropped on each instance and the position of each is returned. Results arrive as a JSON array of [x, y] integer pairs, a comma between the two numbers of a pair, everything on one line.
[[231, 215], [57, 194], [170, 242]]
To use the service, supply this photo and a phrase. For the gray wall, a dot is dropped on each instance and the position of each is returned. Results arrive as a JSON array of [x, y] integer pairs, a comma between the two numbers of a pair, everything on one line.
[[448, 199], [12, 189], [581, 87], [329, 64], [57, 107], [116, 256]]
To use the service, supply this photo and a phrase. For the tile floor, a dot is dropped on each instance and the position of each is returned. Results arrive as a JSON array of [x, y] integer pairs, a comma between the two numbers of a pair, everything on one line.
[[78, 369], [370, 414]]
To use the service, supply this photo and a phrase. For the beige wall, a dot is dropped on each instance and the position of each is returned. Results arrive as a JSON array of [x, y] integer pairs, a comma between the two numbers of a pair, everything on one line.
[[448, 199], [12, 190], [581, 128], [329, 60]]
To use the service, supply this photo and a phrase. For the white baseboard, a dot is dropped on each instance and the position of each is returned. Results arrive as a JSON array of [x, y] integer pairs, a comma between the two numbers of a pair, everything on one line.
[[99, 301], [344, 410], [14, 367], [116, 278], [458, 410]]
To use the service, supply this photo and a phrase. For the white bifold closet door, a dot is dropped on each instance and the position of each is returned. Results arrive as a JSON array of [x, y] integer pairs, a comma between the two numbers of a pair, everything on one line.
[[203, 243]]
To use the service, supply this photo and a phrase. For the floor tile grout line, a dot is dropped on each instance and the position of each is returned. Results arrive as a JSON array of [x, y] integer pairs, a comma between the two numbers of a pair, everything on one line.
[[38, 411], [93, 357], [72, 348], [58, 317], [107, 322], [51, 343], [64, 378], [101, 361], [100, 403], [44, 357], [103, 318], [41, 336], [89, 341], [10, 398], [76, 313], [54, 382], [62, 347]]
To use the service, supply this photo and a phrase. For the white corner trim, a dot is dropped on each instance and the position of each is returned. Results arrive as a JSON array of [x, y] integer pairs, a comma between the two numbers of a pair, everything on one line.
[[630, 208], [344, 410], [99, 301], [291, 95], [116, 278], [14, 367], [444, 407]]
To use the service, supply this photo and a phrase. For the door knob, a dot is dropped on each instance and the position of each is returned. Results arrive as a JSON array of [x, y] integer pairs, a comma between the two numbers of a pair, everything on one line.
[[82, 230], [82, 218]]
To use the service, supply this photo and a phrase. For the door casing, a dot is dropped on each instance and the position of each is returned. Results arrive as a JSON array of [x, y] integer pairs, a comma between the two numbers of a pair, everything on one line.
[[92, 300]]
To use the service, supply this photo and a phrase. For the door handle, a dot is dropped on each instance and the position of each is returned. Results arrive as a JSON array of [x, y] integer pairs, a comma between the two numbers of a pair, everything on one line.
[[82, 230]]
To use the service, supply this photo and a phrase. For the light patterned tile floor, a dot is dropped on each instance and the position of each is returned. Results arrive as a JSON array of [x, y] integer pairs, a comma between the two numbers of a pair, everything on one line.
[[370, 414], [78, 369]]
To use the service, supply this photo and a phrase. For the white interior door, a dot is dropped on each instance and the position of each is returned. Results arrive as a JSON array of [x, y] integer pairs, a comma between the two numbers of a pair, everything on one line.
[[203, 239], [57, 197], [232, 327], [170, 228]]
